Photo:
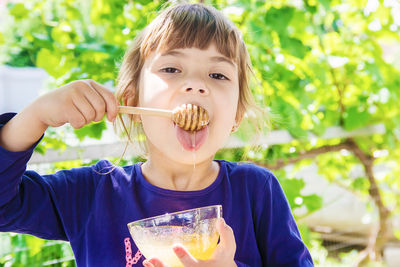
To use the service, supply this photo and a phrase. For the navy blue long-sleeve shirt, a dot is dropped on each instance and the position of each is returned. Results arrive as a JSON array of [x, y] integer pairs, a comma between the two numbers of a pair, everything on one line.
[[91, 206]]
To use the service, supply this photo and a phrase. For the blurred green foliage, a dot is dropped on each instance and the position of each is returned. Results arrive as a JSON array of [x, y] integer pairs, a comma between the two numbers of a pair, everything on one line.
[[319, 64], [25, 250]]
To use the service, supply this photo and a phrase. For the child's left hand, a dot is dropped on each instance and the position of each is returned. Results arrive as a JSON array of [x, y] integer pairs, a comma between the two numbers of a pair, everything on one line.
[[222, 256]]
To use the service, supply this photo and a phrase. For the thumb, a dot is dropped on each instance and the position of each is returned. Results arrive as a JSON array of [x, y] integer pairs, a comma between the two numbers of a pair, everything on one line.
[[184, 256], [227, 243], [153, 262]]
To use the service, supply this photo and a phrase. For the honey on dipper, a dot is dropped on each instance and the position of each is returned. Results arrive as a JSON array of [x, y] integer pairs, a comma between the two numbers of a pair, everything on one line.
[[190, 117]]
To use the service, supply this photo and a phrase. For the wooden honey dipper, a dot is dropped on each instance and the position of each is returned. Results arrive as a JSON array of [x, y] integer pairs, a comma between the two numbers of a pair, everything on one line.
[[190, 117]]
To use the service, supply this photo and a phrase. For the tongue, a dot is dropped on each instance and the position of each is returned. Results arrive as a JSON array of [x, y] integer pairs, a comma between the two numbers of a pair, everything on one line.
[[191, 140]]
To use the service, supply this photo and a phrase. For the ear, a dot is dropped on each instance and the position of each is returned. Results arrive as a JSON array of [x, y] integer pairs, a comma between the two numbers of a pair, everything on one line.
[[235, 127], [238, 120], [129, 100]]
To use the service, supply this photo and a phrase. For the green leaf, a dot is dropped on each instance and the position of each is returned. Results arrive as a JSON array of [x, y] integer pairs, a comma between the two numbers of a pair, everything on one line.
[[41, 149], [19, 11], [291, 118], [73, 13], [55, 143], [48, 61], [294, 46], [93, 130], [325, 3], [360, 184], [279, 19], [353, 118], [42, 40], [144, 2], [34, 244], [312, 202], [56, 63], [292, 188], [397, 234], [60, 35], [305, 233], [318, 126]]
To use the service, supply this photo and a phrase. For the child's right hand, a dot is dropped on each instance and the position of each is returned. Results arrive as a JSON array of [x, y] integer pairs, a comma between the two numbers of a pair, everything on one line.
[[77, 103]]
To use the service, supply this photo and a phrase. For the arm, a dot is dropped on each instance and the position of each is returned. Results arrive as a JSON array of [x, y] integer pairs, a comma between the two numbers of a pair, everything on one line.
[[12, 166], [15, 199], [43, 206], [26, 197], [278, 237], [22, 131], [77, 103]]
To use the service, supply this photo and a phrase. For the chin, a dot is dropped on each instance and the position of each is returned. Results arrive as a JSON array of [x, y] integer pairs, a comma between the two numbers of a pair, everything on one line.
[[191, 157]]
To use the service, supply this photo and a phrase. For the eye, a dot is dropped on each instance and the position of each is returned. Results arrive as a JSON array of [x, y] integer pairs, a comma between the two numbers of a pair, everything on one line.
[[170, 70], [218, 76]]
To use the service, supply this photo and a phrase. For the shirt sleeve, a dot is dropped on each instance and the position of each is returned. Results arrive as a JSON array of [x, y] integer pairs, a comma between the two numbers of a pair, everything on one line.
[[12, 167], [45, 206], [278, 237], [240, 264]]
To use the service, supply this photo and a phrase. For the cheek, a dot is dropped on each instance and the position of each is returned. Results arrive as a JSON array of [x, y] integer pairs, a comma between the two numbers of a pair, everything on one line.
[[228, 105], [225, 114], [152, 88], [152, 126]]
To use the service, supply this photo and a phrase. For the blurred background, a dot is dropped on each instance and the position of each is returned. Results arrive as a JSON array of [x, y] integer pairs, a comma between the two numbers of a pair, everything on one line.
[[327, 70]]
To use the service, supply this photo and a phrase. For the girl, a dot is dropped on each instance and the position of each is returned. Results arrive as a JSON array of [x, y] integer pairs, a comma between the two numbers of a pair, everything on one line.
[[190, 54]]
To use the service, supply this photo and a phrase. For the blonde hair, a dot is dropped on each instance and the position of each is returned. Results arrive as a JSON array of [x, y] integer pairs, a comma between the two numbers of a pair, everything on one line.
[[182, 26]]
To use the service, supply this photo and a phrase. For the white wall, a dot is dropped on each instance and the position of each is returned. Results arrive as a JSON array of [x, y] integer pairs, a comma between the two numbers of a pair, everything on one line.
[[19, 87]]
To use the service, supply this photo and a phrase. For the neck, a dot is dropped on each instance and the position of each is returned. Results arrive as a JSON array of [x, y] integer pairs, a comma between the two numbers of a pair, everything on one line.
[[165, 173]]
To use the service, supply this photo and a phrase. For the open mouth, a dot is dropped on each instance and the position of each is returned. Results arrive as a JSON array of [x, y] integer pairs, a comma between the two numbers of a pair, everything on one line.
[[191, 125]]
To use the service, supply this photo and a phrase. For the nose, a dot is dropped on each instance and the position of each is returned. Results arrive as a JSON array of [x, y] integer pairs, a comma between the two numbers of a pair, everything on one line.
[[196, 90], [194, 84]]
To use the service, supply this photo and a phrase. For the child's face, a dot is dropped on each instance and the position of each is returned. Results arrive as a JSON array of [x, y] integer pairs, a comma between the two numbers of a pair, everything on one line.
[[203, 77]]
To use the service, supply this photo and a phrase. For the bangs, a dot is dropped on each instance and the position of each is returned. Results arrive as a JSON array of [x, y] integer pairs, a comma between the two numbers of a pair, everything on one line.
[[193, 25]]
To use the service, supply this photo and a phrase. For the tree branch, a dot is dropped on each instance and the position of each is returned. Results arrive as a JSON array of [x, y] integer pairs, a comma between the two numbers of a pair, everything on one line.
[[379, 237], [306, 155]]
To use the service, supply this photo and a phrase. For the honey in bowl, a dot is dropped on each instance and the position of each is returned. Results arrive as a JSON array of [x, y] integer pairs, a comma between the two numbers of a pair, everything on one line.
[[195, 229]]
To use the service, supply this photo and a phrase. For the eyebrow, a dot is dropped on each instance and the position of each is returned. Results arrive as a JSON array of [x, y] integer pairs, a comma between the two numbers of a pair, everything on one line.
[[213, 59], [172, 53], [223, 59]]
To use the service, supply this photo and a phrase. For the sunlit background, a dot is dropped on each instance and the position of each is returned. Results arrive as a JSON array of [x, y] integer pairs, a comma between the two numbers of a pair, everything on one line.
[[328, 71]]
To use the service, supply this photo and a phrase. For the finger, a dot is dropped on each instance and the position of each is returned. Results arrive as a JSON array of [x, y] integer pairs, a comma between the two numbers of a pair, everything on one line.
[[84, 106], [76, 118], [155, 262], [96, 100], [227, 242], [184, 256], [146, 263], [109, 98]]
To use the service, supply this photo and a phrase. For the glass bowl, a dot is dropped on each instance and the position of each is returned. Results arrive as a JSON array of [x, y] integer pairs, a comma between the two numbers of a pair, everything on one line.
[[195, 229]]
